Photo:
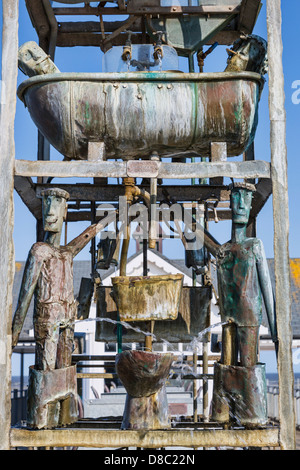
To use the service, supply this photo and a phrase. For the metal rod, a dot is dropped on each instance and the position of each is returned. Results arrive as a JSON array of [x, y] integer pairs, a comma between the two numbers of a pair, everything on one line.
[[205, 383], [281, 225], [195, 401]]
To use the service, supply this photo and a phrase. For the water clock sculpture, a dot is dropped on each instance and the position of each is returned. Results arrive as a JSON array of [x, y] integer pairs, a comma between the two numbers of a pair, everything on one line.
[[140, 105]]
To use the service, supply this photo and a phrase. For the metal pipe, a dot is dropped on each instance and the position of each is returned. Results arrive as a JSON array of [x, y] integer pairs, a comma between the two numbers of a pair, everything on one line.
[[205, 384], [195, 391], [153, 221]]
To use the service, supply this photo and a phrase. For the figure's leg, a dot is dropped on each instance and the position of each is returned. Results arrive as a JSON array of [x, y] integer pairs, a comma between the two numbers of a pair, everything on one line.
[[229, 345], [65, 346], [46, 337], [248, 345]]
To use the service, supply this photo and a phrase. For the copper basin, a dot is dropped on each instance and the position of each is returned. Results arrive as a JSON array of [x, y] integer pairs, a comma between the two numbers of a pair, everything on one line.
[[134, 114]]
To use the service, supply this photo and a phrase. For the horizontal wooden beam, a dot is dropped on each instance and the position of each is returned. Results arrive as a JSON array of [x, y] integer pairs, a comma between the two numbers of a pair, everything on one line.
[[108, 169], [95, 39], [98, 438], [30, 194], [142, 10], [112, 192]]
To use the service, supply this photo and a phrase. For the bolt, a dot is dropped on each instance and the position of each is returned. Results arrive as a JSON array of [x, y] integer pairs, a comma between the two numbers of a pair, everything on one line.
[[159, 85], [139, 97], [169, 86]]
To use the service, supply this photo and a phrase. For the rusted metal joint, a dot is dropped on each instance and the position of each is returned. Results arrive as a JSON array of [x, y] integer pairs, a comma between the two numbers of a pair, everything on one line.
[[158, 48], [132, 191], [127, 54], [127, 49], [201, 56]]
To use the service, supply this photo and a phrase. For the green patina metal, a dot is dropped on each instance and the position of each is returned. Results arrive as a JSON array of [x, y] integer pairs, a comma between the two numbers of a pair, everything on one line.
[[243, 282], [137, 113]]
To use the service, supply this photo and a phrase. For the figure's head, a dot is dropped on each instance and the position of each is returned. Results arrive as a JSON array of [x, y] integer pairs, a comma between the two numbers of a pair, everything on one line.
[[54, 209], [33, 60], [249, 53], [240, 202]]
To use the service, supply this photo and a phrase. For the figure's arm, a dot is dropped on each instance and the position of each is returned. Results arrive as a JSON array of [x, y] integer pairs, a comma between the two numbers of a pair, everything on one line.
[[85, 237], [212, 245], [266, 289], [29, 281]]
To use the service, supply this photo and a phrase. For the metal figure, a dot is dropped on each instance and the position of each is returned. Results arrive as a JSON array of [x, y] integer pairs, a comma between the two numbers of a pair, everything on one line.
[[48, 275], [243, 282], [248, 53]]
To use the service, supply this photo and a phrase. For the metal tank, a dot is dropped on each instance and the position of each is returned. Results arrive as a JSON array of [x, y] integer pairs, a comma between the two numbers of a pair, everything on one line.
[[136, 113]]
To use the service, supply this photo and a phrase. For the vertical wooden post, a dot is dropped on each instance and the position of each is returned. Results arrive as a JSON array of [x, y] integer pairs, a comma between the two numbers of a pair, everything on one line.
[[281, 225], [10, 10]]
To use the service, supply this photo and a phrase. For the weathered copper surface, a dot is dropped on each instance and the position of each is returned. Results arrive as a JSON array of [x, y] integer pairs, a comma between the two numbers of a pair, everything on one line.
[[194, 316], [149, 412], [143, 298], [52, 398], [137, 113], [240, 394], [243, 283], [143, 374]]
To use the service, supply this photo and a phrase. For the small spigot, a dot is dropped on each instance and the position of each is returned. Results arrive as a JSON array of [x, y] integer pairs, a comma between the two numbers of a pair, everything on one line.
[[158, 48], [127, 49]]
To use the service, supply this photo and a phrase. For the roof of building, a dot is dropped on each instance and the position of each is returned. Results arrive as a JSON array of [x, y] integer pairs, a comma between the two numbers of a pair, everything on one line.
[[83, 269]]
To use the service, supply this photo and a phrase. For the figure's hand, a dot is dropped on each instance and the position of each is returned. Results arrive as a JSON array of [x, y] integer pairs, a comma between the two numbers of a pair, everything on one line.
[[15, 338]]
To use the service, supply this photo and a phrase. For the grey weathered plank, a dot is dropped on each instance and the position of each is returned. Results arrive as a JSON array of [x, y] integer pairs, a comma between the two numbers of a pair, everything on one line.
[[281, 225], [10, 10], [110, 169], [149, 439]]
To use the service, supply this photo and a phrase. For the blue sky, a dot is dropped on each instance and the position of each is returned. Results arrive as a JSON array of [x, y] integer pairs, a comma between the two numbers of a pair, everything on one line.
[[89, 60]]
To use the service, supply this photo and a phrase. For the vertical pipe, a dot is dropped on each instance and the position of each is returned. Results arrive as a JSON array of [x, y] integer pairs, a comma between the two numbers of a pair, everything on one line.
[[10, 12], [281, 225], [22, 373], [195, 401], [150, 324], [205, 384], [93, 241]]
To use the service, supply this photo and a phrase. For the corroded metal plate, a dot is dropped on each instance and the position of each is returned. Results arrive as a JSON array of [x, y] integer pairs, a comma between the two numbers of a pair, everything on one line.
[[193, 317]]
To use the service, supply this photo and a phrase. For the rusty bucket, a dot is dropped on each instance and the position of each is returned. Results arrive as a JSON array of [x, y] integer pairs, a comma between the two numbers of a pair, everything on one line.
[[143, 298]]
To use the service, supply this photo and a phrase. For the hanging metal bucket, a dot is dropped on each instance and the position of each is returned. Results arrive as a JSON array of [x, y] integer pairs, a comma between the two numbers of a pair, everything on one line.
[[143, 298]]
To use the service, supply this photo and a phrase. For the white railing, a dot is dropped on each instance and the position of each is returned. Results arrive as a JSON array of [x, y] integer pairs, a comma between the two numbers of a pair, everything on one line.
[[272, 397]]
